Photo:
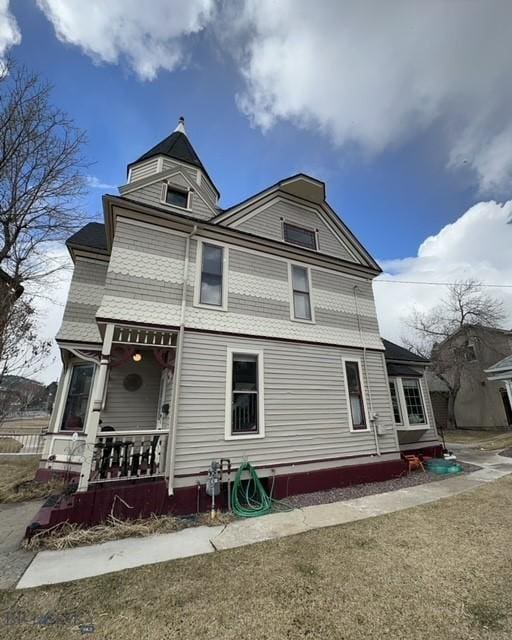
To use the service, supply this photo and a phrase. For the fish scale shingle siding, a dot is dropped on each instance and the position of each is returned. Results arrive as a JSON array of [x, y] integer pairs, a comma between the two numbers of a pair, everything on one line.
[[145, 279], [85, 294]]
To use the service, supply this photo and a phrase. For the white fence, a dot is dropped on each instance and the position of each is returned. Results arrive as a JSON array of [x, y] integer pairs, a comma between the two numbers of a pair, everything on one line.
[[21, 443]]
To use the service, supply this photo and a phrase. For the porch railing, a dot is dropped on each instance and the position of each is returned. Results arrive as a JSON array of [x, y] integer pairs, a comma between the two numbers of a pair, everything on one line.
[[122, 455]]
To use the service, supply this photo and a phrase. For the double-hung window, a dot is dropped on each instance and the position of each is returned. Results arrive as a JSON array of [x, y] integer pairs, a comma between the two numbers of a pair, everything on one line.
[[413, 401], [244, 395], [355, 396], [408, 404], [211, 285], [300, 282], [77, 401]]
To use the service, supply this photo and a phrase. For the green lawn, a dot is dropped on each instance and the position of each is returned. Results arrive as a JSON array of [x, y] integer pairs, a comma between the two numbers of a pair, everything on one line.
[[437, 572]]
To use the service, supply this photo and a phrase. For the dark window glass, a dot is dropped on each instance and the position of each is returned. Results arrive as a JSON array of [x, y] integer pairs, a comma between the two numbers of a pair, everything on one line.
[[244, 410], [176, 197], [355, 394], [78, 398], [396, 404], [211, 275], [301, 299], [298, 235], [470, 353], [413, 401]]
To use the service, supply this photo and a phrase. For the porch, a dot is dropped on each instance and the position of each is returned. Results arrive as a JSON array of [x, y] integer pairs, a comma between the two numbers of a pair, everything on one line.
[[112, 417]]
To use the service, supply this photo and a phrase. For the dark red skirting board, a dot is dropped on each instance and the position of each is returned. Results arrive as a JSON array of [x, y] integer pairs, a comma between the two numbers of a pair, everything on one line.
[[142, 498]]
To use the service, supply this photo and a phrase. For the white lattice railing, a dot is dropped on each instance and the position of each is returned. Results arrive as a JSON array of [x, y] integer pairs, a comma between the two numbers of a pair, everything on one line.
[[121, 455]]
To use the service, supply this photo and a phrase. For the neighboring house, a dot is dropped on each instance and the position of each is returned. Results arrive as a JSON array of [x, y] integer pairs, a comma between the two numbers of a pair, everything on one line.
[[193, 334], [481, 401], [501, 373]]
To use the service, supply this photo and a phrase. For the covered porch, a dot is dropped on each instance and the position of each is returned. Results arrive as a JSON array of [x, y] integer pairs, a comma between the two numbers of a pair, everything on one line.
[[112, 416]]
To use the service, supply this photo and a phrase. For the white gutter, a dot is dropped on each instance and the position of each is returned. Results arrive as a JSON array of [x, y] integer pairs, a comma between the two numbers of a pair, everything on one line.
[[372, 417], [177, 366]]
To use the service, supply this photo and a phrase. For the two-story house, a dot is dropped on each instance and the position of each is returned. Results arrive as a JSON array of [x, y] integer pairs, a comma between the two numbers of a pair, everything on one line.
[[193, 334]]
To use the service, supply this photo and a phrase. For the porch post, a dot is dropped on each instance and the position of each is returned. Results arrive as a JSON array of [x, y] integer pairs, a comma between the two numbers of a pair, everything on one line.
[[93, 414]]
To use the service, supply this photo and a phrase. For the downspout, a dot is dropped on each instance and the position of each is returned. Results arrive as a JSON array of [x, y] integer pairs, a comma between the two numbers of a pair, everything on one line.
[[177, 366], [373, 421]]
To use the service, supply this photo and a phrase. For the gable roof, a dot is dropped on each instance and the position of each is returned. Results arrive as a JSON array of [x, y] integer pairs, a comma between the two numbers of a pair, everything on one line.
[[237, 212], [93, 235], [396, 352], [501, 366]]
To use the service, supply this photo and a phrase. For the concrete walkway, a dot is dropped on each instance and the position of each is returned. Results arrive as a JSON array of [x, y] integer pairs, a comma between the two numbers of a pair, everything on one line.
[[51, 567], [13, 522]]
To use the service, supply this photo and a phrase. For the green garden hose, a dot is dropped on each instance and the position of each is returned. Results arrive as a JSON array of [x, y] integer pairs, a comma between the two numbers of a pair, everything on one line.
[[249, 498]]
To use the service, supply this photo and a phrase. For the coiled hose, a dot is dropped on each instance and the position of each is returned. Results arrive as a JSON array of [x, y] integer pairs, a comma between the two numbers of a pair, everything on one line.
[[249, 498]]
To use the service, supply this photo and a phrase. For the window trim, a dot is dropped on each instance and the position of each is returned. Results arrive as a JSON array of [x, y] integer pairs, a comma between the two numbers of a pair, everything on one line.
[[363, 392], [64, 397], [175, 187], [199, 269], [299, 226], [405, 425], [228, 435], [394, 381], [290, 291]]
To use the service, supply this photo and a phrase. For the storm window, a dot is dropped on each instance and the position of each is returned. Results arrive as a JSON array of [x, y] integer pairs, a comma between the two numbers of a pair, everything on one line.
[[212, 265], [301, 293], [299, 236], [77, 401], [355, 395]]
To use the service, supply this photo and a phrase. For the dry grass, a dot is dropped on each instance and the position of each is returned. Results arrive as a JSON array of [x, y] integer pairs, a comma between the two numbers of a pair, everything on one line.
[[440, 571], [9, 445], [483, 439], [67, 535], [25, 425], [17, 480]]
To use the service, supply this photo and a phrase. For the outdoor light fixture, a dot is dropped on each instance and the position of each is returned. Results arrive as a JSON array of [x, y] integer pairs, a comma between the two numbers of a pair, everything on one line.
[[137, 356]]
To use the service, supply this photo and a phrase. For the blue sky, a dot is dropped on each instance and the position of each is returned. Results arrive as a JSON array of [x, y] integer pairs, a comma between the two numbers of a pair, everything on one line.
[[389, 201], [402, 109]]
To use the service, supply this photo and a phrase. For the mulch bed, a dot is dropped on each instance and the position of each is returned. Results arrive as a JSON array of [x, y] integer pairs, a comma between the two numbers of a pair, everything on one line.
[[360, 490]]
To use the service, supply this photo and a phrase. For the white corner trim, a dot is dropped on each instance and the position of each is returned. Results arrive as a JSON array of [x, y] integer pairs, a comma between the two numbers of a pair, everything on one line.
[[290, 292], [357, 359], [261, 394], [225, 275]]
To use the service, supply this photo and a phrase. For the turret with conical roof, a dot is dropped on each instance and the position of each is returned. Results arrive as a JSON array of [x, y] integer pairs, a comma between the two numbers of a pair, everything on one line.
[[173, 165]]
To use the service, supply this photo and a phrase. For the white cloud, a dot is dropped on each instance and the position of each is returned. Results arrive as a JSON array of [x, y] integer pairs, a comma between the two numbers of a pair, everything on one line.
[[476, 246], [95, 183], [376, 73], [9, 32], [147, 34]]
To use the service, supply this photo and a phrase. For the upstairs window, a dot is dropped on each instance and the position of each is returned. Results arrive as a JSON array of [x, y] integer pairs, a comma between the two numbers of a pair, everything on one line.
[[299, 236], [301, 293], [211, 286], [244, 397], [413, 401], [355, 395], [176, 197]]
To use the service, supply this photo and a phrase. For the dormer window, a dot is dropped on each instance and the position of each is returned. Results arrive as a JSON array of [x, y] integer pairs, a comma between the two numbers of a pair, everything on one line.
[[299, 235], [176, 197]]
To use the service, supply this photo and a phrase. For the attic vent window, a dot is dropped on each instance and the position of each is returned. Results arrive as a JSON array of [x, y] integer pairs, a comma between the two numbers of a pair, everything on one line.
[[176, 197], [299, 235]]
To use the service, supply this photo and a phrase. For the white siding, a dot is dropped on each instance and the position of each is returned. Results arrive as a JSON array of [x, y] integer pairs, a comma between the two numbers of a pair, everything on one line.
[[305, 404]]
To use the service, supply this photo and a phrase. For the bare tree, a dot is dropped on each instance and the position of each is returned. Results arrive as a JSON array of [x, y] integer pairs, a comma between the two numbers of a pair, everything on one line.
[[41, 180], [465, 305]]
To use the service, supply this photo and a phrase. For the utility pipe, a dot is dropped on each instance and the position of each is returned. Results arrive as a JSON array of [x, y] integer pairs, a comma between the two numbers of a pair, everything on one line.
[[177, 365], [372, 420]]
